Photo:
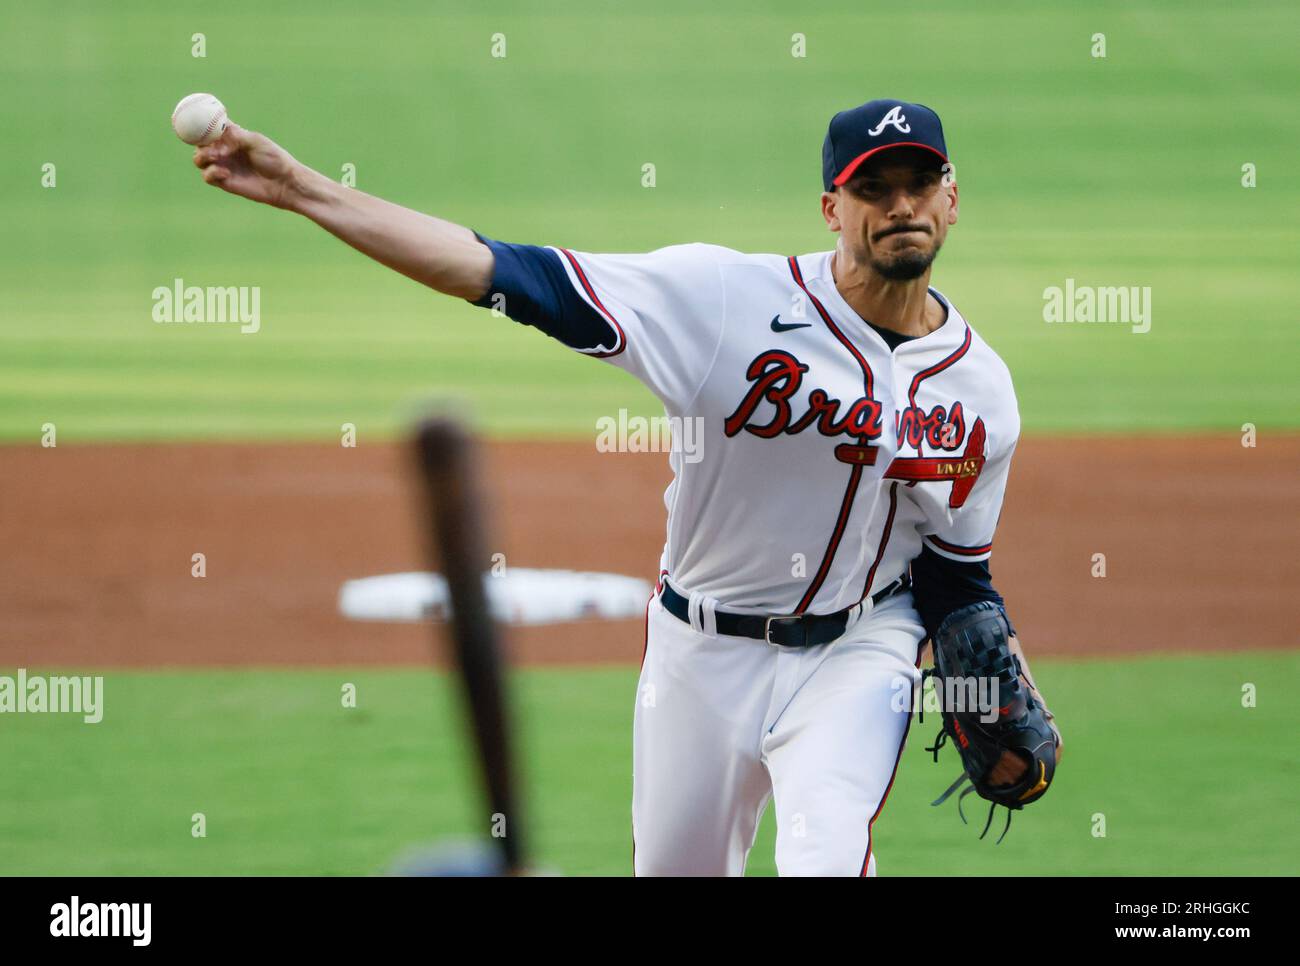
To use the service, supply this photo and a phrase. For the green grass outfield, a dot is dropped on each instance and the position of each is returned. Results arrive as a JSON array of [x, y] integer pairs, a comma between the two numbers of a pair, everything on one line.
[[1188, 780], [1117, 171]]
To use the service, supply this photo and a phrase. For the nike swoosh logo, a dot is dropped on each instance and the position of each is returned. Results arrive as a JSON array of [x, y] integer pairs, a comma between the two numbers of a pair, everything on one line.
[[779, 326]]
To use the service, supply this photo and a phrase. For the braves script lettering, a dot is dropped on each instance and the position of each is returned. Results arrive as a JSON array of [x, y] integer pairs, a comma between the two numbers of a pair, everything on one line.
[[938, 428], [775, 377]]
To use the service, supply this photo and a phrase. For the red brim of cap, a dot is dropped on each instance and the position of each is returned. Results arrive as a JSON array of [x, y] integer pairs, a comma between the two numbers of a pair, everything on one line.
[[856, 163]]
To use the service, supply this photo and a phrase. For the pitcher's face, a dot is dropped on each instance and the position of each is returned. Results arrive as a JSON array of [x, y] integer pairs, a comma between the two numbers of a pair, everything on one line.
[[894, 213]]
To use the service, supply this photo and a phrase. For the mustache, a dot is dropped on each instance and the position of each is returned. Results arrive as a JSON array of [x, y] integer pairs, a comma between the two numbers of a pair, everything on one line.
[[896, 229]]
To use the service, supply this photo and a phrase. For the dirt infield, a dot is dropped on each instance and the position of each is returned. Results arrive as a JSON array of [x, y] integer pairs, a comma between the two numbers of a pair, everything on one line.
[[1199, 537]]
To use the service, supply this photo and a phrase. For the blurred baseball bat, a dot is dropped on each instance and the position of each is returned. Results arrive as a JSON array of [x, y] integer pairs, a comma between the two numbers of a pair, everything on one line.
[[448, 465]]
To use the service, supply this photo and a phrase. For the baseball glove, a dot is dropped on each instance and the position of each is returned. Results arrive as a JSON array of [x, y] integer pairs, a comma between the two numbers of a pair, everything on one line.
[[973, 657]]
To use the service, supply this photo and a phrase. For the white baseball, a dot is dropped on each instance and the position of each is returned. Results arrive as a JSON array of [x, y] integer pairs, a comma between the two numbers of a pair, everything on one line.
[[199, 119]]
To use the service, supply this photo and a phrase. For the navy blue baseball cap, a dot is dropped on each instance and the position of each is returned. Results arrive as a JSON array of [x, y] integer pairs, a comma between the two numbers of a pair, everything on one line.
[[861, 132]]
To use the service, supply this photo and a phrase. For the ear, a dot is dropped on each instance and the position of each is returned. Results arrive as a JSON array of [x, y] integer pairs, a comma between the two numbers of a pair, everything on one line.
[[952, 203], [830, 202]]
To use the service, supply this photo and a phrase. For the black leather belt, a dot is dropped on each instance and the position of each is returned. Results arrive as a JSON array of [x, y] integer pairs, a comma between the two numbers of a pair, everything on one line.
[[801, 630]]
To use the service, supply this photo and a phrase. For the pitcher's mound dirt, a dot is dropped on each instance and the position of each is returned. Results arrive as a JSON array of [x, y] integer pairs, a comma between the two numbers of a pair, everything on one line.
[[1199, 537]]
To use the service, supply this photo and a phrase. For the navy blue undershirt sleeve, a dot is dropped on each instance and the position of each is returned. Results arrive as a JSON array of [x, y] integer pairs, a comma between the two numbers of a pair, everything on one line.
[[538, 293], [941, 586]]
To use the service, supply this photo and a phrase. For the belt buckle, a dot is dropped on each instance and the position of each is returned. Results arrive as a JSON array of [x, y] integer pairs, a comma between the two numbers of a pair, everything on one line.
[[767, 632]]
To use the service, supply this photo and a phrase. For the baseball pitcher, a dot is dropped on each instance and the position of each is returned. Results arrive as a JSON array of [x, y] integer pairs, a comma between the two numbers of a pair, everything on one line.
[[855, 439]]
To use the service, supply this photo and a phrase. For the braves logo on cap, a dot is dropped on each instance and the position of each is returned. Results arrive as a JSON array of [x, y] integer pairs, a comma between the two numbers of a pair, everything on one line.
[[896, 118], [880, 125]]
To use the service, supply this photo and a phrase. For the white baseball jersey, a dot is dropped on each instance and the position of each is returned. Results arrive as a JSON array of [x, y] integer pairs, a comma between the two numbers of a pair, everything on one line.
[[826, 459]]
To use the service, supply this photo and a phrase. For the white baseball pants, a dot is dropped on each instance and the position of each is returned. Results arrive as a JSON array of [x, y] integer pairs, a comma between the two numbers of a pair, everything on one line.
[[724, 723]]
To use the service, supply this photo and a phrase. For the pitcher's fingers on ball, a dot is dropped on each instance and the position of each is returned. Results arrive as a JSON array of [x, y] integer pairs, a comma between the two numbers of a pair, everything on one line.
[[208, 155], [239, 137], [232, 140]]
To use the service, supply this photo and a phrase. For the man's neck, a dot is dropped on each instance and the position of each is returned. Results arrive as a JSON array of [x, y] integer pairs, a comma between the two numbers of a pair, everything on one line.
[[902, 307]]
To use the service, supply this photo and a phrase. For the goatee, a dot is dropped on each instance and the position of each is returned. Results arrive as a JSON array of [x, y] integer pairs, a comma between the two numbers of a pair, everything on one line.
[[904, 267]]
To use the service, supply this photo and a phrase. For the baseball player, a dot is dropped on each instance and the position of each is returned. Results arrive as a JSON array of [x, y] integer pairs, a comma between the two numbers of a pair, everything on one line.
[[855, 435]]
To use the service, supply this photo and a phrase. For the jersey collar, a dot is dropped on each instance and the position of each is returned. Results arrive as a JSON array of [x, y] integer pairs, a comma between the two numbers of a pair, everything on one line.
[[947, 335]]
